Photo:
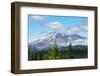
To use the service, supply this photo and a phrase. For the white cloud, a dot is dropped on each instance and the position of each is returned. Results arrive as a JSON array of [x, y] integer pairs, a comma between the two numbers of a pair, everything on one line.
[[39, 18], [76, 29], [80, 42], [71, 30], [55, 25], [84, 27]]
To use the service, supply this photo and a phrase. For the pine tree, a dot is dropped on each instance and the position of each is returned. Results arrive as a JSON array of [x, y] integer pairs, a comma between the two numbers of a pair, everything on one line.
[[29, 54], [69, 52], [53, 52]]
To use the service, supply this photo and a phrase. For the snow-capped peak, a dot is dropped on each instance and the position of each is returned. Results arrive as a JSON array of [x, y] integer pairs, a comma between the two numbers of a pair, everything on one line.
[[47, 40]]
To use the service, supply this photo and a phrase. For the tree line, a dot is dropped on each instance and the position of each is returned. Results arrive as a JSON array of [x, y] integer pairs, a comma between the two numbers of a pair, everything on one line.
[[51, 54]]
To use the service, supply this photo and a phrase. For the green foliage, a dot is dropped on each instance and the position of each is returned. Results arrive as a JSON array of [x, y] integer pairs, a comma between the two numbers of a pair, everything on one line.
[[30, 53], [69, 52], [53, 52]]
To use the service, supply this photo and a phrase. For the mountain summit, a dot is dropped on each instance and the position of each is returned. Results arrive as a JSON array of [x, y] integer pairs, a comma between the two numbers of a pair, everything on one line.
[[62, 40]]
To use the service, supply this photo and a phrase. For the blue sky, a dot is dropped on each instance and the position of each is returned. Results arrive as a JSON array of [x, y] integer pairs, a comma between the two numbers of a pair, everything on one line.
[[38, 24]]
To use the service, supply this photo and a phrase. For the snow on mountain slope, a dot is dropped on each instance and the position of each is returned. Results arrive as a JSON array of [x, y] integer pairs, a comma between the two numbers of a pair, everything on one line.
[[47, 40]]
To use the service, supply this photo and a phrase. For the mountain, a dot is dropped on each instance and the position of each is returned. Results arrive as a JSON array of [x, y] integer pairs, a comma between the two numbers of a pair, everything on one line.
[[62, 40]]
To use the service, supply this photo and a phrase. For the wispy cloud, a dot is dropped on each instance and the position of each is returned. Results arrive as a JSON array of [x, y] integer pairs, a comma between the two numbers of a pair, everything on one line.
[[70, 30], [76, 29], [38, 18], [56, 26]]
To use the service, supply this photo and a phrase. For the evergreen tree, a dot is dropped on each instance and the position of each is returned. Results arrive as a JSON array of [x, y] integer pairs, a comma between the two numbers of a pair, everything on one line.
[[53, 52], [69, 52], [29, 55], [35, 54]]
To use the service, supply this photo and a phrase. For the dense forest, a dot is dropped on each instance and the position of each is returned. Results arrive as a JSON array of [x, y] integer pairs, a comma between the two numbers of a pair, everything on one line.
[[68, 52]]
